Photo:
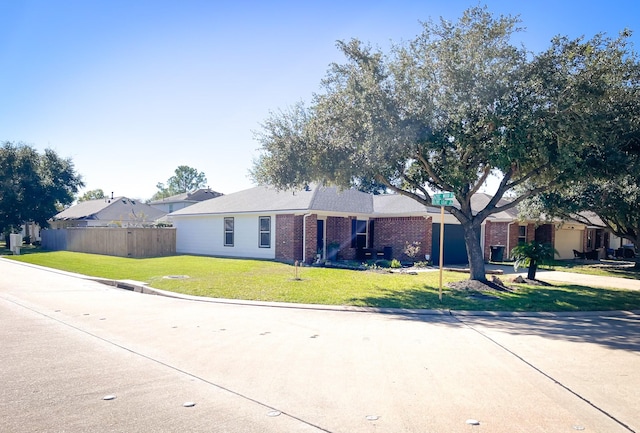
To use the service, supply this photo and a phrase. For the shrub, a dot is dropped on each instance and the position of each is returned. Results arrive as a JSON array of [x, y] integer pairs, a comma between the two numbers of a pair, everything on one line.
[[412, 249], [532, 254], [395, 264]]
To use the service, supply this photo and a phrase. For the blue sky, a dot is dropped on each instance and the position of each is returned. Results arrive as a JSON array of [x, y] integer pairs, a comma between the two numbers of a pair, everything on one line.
[[132, 89]]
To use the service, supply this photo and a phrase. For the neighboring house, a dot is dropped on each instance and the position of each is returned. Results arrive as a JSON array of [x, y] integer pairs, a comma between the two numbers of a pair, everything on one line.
[[30, 231], [180, 201], [305, 225], [506, 230], [107, 212]]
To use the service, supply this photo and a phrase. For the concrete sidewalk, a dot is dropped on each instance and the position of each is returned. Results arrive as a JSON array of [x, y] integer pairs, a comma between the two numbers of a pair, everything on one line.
[[571, 277], [68, 342]]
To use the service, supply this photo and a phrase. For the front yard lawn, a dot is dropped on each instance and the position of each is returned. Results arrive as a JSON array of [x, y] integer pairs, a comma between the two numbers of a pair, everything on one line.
[[273, 281]]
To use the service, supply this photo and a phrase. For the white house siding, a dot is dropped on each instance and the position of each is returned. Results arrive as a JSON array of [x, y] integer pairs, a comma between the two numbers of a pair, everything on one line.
[[567, 240], [205, 235]]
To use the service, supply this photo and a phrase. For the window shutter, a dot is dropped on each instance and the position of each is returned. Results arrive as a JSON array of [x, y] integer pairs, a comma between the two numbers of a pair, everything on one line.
[[371, 225]]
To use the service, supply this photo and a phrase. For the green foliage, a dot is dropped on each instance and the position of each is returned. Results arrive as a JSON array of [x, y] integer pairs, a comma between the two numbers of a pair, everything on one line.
[[93, 194], [532, 254], [604, 189], [185, 179], [447, 109], [382, 263], [33, 186], [524, 254], [395, 264]]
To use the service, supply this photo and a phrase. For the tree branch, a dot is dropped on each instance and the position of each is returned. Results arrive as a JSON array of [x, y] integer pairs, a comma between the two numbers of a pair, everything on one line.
[[485, 173], [426, 200], [430, 172]]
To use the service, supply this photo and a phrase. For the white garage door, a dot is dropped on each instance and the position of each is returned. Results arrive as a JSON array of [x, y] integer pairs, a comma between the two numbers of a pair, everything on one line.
[[566, 241]]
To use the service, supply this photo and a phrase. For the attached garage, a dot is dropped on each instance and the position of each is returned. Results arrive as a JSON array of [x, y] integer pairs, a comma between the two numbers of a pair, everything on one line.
[[455, 250], [569, 238]]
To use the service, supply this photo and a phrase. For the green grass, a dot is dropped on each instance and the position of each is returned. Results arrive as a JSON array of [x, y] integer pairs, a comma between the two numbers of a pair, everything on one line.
[[272, 281], [607, 268]]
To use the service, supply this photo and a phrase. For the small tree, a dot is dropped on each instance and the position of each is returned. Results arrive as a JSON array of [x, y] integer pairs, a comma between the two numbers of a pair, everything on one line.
[[185, 179], [532, 254], [93, 194]]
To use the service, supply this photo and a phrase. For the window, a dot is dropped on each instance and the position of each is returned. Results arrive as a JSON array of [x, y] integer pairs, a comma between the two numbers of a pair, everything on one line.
[[228, 232], [358, 234], [522, 235], [265, 232]]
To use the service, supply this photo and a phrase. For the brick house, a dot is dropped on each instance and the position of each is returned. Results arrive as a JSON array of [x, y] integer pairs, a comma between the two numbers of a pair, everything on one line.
[[305, 225], [505, 229]]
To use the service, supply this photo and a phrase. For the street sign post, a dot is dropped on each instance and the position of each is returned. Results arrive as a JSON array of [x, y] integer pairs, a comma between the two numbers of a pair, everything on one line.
[[442, 199]]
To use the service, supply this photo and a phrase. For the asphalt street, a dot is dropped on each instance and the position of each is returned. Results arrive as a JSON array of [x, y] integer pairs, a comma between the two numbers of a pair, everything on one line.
[[80, 356]]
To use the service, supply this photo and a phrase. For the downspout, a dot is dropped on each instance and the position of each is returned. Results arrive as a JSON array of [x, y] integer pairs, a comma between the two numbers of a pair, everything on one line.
[[304, 237], [509, 237]]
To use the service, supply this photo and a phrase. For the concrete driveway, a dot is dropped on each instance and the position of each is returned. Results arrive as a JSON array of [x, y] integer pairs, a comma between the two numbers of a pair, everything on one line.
[[67, 343]]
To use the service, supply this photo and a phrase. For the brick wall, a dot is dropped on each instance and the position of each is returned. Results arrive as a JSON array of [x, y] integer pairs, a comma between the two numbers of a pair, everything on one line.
[[311, 238], [396, 232], [393, 232], [496, 233], [546, 234], [288, 238], [339, 230]]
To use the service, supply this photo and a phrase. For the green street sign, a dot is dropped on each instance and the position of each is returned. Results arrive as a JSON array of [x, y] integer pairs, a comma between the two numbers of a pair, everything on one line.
[[442, 199], [437, 201]]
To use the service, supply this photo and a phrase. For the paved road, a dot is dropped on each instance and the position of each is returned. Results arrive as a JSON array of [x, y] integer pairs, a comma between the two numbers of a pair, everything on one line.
[[66, 343]]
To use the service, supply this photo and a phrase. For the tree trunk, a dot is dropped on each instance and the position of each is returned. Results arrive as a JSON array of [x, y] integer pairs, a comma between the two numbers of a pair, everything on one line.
[[533, 267], [475, 254]]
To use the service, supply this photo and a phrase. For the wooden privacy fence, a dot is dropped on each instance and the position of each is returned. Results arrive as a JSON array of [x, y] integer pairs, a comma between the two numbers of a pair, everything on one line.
[[121, 242]]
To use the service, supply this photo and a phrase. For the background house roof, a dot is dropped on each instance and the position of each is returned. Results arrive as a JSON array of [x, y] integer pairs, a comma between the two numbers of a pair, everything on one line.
[[106, 209], [480, 201], [201, 194]]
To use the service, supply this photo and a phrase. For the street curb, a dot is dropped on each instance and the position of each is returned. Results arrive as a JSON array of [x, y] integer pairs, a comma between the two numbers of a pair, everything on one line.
[[143, 288]]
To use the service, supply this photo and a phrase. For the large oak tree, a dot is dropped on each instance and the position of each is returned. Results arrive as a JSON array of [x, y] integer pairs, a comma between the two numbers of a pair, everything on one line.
[[451, 107]]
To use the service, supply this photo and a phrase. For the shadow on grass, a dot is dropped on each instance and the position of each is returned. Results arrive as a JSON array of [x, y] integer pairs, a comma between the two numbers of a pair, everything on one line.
[[614, 329], [556, 298]]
